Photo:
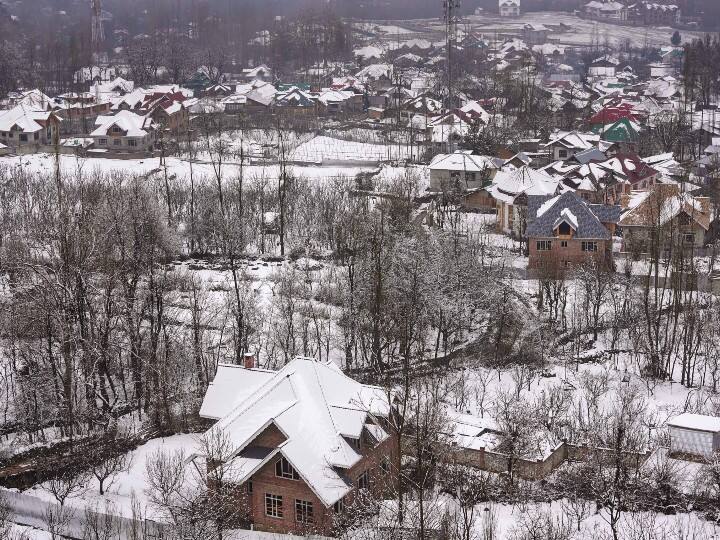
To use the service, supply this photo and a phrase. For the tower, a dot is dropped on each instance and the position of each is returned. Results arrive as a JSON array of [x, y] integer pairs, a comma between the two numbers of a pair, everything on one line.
[[450, 13], [98, 33]]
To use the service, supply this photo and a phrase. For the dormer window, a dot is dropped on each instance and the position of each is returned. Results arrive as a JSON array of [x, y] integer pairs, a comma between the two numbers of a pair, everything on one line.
[[283, 469], [564, 229]]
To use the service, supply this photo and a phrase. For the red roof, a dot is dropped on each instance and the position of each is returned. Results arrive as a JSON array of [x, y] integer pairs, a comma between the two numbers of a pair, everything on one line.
[[610, 115]]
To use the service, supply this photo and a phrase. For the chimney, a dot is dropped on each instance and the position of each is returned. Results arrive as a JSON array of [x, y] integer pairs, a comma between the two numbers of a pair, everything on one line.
[[249, 360], [625, 200]]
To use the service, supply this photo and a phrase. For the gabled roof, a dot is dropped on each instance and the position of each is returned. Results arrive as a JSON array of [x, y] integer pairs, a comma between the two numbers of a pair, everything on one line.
[[25, 119], [462, 161], [508, 184], [132, 124], [696, 422], [313, 404], [574, 140], [628, 167], [294, 97], [545, 213], [662, 204]]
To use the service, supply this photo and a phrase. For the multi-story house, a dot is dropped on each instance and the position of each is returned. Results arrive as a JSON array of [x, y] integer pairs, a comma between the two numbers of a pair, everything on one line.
[[25, 126], [509, 8], [566, 231], [664, 220], [124, 131], [305, 439]]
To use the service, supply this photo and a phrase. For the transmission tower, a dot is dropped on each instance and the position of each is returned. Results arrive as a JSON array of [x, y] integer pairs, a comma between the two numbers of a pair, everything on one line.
[[450, 13], [98, 32]]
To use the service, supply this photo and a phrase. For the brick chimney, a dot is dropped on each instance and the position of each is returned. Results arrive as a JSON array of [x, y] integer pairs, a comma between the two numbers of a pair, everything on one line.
[[249, 360]]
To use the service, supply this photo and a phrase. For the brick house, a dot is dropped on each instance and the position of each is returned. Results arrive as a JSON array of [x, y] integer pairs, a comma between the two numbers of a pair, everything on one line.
[[626, 173], [306, 438], [566, 231]]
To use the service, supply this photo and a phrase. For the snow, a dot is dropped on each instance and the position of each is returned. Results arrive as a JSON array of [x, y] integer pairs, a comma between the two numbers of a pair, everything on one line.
[[567, 216], [697, 422]]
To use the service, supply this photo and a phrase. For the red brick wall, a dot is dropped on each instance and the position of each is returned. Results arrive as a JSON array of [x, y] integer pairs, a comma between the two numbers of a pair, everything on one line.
[[265, 481], [573, 254]]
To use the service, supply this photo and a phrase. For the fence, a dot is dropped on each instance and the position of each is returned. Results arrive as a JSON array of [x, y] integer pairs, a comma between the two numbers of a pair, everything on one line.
[[528, 469], [71, 522]]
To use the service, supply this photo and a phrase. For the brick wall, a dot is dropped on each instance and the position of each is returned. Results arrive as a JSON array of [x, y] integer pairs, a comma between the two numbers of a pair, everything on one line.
[[557, 257], [265, 481]]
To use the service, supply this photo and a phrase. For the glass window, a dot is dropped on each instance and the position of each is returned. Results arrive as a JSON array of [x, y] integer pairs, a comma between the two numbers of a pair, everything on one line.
[[544, 245], [339, 506], [363, 480], [563, 244], [303, 511], [589, 246], [273, 505], [283, 469]]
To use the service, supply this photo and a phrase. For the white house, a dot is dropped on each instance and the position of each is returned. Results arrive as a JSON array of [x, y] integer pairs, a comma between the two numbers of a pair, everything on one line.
[[460, 170], [124, 131], [695, 434], [23, 125], [509, 8]]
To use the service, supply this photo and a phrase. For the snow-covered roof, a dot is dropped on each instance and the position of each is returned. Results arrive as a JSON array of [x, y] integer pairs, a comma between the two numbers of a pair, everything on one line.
[[23, 118], [461, 161], [508, 184], [132, 124], [696, 422], [313, 404]]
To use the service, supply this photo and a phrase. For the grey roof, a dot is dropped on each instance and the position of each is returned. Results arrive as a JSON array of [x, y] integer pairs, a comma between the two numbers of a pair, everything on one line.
[[591, 154], [588, 217]]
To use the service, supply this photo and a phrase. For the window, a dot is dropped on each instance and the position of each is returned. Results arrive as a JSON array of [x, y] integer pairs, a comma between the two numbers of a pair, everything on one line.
[[249, 487], [103, 142], [684, 219], [564, 229], [36, 136], [689, 238], [116, 142], [273, 505], [23, 137], [363, 480], [562, 154], [303, 511], [544, 245], [385, 465], [355, 443], [563, 244], [132, 142], [339, 506], [283, 469], [589, 246], [470, 177], [12, 135]]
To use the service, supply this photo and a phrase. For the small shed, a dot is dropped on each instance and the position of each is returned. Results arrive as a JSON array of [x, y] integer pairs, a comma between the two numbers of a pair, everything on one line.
[[695, 434]]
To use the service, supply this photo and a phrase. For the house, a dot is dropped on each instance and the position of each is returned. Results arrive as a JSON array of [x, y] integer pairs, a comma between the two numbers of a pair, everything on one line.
[[535, 34], [461, 171], [510, 188], [663, 220], [607, 9], [565, 144], [124, 131], [565, 231], [605, 66], [694, 434], [509, 8], [295, 101], [24, 126], [654, 13], [625, 173], [79, 111], [305, 439], [261, 72]]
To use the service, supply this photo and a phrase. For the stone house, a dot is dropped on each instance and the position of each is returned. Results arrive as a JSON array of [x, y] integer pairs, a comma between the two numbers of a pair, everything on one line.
[[566, 231], [305, 440]]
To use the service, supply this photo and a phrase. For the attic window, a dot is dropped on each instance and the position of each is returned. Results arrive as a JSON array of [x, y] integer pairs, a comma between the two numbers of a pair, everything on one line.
[[283, 469], [564, 229]]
